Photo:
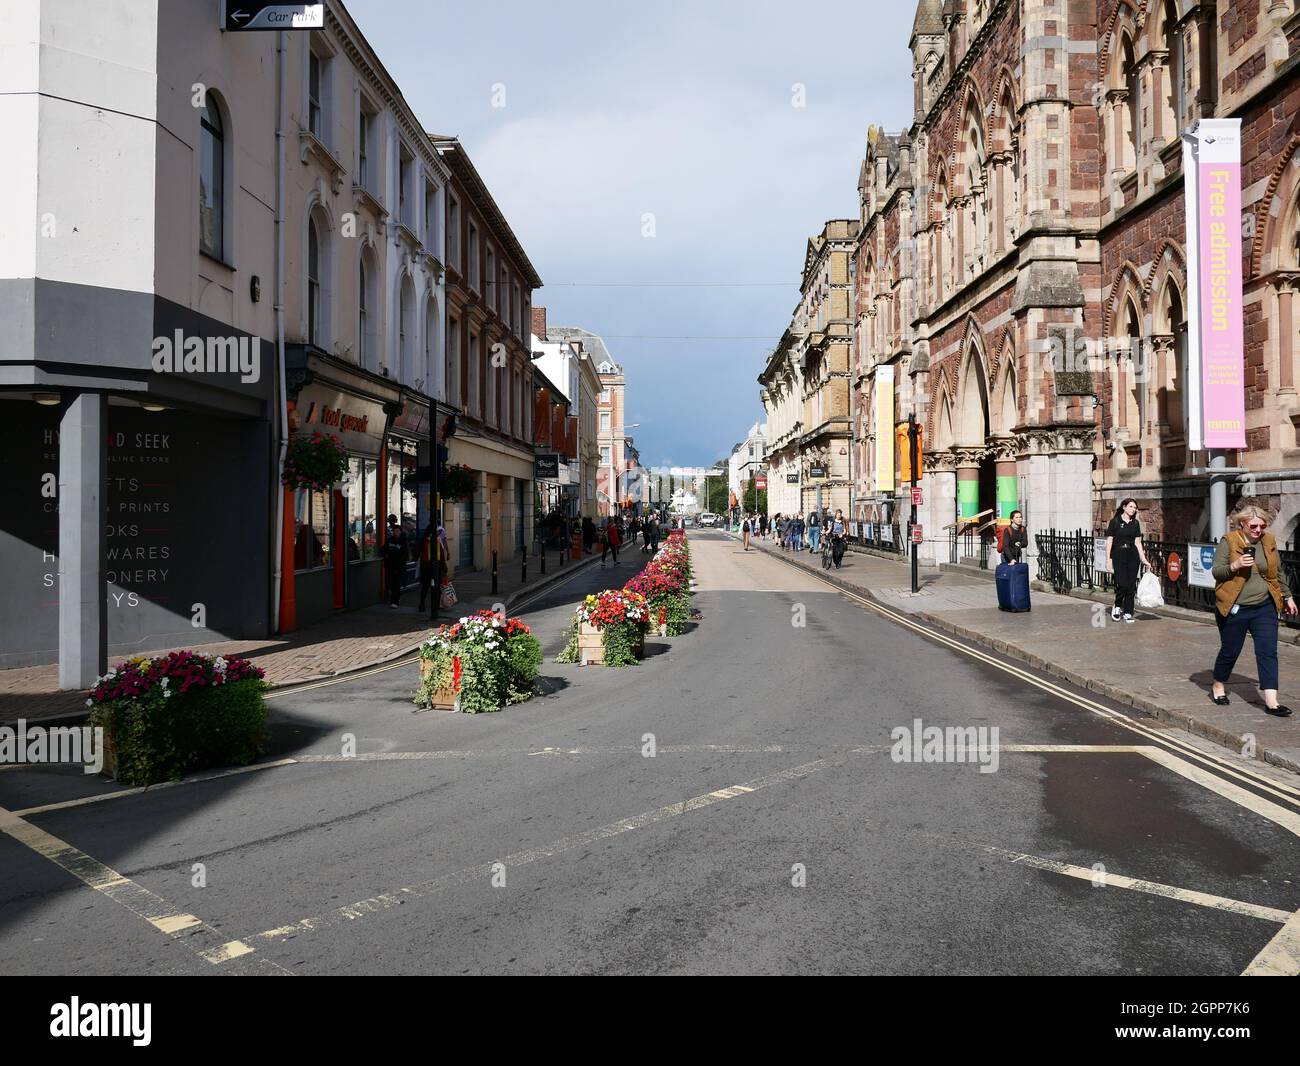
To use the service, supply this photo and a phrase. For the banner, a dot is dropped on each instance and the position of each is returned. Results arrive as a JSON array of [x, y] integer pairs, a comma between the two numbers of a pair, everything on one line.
[[884, 413], [1216, 408]]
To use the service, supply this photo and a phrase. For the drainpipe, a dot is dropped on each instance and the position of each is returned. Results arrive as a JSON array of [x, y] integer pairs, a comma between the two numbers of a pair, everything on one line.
[[279, 326]]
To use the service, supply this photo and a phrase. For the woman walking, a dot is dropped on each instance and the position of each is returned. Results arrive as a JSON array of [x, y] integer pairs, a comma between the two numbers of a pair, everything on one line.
[[838, 531], [1126, 556], [1250, 589], [744, 533]]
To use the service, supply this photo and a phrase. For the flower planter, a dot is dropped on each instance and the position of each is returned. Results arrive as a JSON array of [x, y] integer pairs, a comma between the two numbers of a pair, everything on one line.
[[445, 698], [591, 647]]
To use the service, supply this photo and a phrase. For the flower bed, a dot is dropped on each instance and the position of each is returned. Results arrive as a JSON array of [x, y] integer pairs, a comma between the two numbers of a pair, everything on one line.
[[658, 598], [608, 629], [480, 663], [183, 711]]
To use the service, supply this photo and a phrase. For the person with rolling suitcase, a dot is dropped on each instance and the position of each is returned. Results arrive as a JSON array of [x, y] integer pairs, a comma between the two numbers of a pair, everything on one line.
[[1012, 574]]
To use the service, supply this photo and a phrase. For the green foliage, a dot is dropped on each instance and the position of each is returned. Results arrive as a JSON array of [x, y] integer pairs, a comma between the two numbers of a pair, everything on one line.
[[570, 652], [160, 740], [314, 461], [621, 642], [490, 676]]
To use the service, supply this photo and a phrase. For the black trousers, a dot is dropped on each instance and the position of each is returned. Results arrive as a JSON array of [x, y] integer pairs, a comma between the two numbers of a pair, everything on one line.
[[393, 579], [609, 548]]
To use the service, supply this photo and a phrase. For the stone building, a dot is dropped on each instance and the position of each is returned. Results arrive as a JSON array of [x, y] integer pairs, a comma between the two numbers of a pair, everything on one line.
[[805, 384], [1020, 273], [489, 368]]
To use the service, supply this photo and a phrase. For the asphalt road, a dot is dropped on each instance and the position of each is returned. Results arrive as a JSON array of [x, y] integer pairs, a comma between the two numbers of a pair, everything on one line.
[[771, 830]]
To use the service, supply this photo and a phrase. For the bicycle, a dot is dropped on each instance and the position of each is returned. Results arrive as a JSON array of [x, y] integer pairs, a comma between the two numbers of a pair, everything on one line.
[[827, 541]]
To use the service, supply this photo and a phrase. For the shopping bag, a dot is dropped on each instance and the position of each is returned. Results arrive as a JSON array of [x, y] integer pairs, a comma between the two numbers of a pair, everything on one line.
[[1148, 592], [447, 597]]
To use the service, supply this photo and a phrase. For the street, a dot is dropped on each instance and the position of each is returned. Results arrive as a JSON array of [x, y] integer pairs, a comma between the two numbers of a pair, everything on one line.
[[730, 805]]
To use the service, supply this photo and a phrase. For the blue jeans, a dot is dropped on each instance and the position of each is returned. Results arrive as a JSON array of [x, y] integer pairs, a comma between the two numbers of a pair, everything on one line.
[[1261, 622], [815, 538]]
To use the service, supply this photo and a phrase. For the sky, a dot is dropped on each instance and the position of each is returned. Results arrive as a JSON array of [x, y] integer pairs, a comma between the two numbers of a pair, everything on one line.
[[653, 163]]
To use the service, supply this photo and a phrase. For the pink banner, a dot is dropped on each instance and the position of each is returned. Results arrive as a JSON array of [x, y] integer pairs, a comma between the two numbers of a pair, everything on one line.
[[1223, 363]]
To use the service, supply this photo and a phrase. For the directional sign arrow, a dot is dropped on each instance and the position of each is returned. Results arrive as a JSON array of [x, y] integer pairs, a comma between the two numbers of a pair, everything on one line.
[[240, 16]]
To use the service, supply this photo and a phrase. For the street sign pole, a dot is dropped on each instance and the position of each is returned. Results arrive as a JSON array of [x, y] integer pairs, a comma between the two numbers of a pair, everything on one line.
[[912, 432]]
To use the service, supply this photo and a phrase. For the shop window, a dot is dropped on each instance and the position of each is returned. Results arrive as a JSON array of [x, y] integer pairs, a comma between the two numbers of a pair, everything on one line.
[[364, 524], [212, 180], [402, 486], [311, 542]]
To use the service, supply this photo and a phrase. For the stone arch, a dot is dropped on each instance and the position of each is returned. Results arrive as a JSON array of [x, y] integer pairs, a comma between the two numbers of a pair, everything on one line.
[[1007, 394], [1274, 212], [972, 104], [972, 427], [1127, 280], [940, 430], [1122, 19]]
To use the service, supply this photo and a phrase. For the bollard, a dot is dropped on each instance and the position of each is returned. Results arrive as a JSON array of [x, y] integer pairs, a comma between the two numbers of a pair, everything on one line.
[[543, 558], [494, 573], [525, 578]]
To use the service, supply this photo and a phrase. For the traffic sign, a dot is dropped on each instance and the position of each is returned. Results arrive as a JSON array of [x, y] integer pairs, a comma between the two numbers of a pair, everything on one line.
[[916, 496], [917, 536], [241, 16], [1174, 567]]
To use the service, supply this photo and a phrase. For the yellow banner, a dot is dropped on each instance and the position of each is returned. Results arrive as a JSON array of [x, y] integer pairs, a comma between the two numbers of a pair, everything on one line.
[[884, 416]]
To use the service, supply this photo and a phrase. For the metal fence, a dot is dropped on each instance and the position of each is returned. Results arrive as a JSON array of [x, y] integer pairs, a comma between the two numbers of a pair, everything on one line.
[[1066, 561], [883, 536], [972, 543]]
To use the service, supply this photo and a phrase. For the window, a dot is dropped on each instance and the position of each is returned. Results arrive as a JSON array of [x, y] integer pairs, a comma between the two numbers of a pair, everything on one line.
[[431, 219], [604, 455], [1176, 70], [212, 180], [475, 357], [604, 421], [503, 293], [515, 317], [315, 111], [489, 277], [472, 274], [452, 384], [1133, 85], [363, 323], [313, 512], [363, 528], [453, 232], [363, 149], [313, 283], [604, 394], [405, 172]]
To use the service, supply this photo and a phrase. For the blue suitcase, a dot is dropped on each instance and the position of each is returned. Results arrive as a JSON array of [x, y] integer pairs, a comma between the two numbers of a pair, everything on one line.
[[1013, 586]]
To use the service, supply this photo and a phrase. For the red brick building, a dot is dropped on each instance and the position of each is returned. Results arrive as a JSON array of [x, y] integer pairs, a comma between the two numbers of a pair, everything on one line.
[[1020, 264]]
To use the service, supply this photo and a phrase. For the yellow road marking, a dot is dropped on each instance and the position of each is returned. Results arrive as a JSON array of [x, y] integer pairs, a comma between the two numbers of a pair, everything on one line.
[[1264, 808], [484, 870], [191, 932]]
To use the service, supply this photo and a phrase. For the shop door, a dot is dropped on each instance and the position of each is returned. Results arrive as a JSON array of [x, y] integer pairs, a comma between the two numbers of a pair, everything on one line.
[[465, 543], [520, 486], [494, 518]]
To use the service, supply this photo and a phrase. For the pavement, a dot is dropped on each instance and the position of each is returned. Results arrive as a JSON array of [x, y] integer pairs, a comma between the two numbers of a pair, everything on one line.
[[739, 802], [1159, 665], [347, 642]]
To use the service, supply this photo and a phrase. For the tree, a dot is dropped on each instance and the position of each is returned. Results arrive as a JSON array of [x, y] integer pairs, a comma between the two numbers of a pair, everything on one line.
[[716, 500], [755, 498]]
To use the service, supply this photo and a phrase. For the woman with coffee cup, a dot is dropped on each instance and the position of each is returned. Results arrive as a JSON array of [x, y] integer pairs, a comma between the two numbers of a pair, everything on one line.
[[1249, 592]]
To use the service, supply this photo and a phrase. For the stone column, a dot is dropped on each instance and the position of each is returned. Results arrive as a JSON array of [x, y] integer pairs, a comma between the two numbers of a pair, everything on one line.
[[939, 508], [1286, 285], [968, 483], [83, 595]]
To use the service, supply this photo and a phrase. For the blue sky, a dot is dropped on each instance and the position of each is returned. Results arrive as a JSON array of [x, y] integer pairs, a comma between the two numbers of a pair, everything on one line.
[[679, 110]]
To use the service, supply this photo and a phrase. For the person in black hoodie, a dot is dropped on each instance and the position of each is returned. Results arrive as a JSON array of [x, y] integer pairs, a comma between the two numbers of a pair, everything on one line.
[[394, 559]]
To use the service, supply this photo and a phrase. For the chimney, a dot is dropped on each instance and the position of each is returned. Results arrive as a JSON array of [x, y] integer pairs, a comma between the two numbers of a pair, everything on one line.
[[539, 322]]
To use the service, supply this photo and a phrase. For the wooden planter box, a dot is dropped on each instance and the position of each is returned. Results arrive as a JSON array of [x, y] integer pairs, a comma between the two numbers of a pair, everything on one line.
[[591, 650], [444, 699]]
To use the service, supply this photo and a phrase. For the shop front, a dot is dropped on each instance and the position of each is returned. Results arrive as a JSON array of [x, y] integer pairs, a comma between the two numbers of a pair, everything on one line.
[[495, 516], [334, 535]]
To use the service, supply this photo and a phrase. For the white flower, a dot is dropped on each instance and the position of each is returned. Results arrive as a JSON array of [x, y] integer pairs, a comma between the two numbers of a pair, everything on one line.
[[90, 703]]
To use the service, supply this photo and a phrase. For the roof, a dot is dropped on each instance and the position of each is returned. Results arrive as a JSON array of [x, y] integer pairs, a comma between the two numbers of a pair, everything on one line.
[[591, 342], [929, 19], [457, 159]]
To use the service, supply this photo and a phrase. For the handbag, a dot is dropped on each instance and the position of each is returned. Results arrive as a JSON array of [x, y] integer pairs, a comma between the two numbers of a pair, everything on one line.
[[1148, 592], [447, 596]]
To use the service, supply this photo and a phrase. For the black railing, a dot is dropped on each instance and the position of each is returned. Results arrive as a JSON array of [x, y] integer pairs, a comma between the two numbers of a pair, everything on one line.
[[1066, 561], [882, 536]]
